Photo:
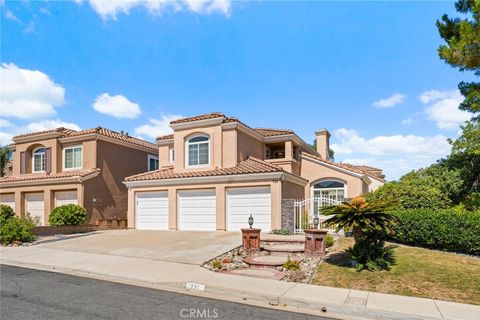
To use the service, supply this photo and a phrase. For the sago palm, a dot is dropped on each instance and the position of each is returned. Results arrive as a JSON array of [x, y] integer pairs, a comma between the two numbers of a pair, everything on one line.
[[361, 217]]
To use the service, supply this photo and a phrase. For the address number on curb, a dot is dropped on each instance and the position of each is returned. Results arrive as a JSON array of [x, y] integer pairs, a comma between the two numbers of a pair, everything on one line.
[[195, 286]]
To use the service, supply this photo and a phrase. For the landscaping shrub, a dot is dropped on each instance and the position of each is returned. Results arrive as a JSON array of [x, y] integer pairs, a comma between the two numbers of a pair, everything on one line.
[[329, 240], [216, 264], [284, 232], [17, 229], [6, 212], [371, 255], [291, 264], [447, 229], [69, 214]]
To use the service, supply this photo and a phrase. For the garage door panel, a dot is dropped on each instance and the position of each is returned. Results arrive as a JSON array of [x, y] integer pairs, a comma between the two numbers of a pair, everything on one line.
[[8, 200], [241, 202], [34, 205], [152, 211], [197, 210], [65, 197]]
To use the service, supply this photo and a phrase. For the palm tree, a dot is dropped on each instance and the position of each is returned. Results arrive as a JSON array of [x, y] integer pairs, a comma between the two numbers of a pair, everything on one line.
[[5, 153], [364, 219]]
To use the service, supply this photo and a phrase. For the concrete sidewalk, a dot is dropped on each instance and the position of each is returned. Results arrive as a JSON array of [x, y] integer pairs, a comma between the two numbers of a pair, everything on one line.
[[342, 303]]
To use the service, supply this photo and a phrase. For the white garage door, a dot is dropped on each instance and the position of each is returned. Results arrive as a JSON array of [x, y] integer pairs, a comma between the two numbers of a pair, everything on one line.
[[65, 197], [35, 207], [197, 210], [8, 200], [241, 202], [152, 211]]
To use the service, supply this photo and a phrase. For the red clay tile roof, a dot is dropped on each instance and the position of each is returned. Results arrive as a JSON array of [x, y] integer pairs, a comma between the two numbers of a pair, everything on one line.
[[250, 166], [49, 177], [377, 173], [98, 130], [267, 132], [199, 117], [165, 137], [61, 130]]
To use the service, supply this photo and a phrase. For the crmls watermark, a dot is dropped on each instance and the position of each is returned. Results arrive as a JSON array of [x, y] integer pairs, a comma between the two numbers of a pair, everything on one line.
[[193, 313]]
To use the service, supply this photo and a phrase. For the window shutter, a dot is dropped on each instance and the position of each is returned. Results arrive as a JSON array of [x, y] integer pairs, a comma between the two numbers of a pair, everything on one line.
[[48, 160], [22, 162]]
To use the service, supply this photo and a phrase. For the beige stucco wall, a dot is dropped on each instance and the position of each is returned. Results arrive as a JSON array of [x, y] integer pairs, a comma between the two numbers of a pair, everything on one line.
[[249, 146], [313, 172], [230, 145], [48, 196], [292, 191], [164, 156], [375, 184], [220, 191]]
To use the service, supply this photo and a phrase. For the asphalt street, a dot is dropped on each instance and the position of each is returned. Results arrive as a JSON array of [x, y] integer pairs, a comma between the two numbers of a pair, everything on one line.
[[33, 294]]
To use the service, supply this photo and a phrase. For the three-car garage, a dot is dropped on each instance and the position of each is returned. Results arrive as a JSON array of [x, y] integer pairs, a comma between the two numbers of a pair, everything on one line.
[[196, 209]]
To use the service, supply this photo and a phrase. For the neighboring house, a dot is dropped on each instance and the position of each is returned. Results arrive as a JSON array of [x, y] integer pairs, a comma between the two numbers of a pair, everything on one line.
[[86, 167], [215, 171]]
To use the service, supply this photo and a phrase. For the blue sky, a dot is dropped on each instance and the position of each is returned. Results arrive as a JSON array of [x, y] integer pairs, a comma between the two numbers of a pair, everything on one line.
[[366, 71]]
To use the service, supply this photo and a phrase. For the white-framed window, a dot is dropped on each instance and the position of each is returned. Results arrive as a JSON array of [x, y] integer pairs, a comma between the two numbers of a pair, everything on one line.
[[332, 189], [171, 154], [153, 163], [198, 151], [73, 158], [38, 160]]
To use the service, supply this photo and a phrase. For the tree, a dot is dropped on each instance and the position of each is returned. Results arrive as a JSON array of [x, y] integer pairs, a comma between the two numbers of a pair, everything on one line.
[[462, 49], [5, 154]]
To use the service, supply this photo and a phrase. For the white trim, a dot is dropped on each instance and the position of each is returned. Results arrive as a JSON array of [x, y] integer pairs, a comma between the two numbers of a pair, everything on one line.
[[202, 180], [198, 123], [187, 155], [63, 158], [312, 186], [149, 157], [44, 160]]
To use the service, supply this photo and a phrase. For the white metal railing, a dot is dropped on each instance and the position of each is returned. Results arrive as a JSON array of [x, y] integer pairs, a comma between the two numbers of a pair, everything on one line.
[[306, 210]]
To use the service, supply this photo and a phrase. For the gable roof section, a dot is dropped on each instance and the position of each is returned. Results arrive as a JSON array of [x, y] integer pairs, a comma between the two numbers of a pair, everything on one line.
[[52, 178], [250, 166], [361, 170], [67, 133], [267, 132]]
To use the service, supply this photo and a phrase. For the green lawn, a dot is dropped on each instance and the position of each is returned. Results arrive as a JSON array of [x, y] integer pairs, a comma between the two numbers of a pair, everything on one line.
[[418, 272]]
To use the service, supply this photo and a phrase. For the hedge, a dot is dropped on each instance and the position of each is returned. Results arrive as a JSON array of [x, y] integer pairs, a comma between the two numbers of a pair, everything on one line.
[[68, 214], [446, 229]]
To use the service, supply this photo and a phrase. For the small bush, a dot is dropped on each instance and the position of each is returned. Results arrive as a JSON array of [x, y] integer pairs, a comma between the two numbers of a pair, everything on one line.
[[216, 264], [6, 212], [448, 229], [69, 214], [284, 232], [17, 229], [371, 255], [291, 264], [329, 240]]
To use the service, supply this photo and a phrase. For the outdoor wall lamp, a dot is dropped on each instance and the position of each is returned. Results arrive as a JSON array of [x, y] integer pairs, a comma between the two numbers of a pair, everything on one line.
[[250, 221]]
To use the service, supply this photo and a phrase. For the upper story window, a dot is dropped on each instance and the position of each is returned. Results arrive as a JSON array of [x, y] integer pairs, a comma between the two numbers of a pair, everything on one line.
[[38, 163], [73, 158], [171, 154], [198, 151], [153, 163]]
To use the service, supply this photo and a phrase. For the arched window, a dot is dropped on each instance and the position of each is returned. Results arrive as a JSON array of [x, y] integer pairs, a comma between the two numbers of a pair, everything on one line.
[[198, 151], [331, 189], [38, 160]]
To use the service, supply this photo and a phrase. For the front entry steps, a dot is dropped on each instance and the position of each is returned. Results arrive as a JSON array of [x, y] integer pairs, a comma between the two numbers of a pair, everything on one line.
[[283, 248], [264, 262]]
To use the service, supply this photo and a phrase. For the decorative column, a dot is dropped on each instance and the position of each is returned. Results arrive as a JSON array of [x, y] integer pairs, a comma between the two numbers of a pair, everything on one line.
[[315, 242], [251, 240]]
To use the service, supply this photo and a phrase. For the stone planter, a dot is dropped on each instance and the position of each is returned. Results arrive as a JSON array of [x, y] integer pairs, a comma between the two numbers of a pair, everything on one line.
[[315, 242], [251, 240]]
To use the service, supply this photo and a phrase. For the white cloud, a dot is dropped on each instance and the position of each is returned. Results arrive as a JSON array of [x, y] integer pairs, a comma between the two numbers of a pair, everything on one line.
[[396, 154], [111, 9], [157, 127], [116, 106], [9, 15], [393, 100], [28, 94], [407, 121], [8, 130], [443, 108]]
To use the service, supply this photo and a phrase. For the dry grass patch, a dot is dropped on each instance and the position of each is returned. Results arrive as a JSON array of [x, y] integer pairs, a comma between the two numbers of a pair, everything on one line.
[[418, 272]]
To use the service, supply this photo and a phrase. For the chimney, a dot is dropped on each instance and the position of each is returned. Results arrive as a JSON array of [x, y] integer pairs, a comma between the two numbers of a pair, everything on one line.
[[323, 143]]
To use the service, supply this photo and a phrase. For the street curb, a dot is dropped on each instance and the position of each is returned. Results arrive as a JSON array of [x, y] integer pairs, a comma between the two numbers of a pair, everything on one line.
[[244, 296]]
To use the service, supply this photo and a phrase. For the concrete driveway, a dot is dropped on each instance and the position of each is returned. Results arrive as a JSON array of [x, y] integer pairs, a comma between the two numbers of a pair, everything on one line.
[[188, 247]]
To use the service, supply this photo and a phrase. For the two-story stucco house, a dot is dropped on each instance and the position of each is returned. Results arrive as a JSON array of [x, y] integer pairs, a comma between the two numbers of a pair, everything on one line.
[[86, 167], [215, 171]]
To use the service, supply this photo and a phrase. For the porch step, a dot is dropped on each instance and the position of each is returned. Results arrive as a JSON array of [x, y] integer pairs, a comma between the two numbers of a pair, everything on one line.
[[294, 238], [257, 273], [271, 261], [285, 247]]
